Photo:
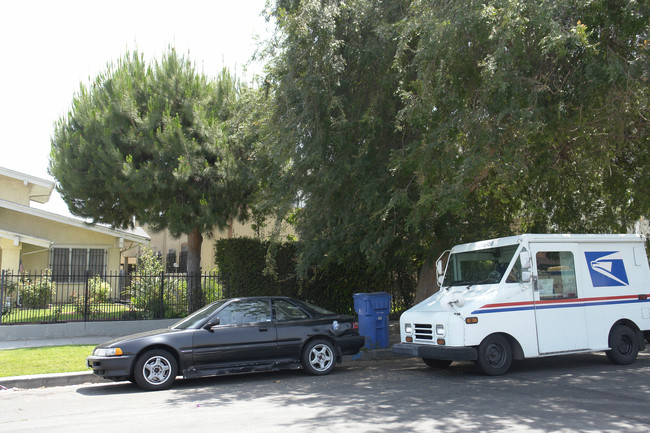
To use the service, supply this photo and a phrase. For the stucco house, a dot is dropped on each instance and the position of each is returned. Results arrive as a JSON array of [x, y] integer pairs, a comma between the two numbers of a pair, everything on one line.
[[34, 240]]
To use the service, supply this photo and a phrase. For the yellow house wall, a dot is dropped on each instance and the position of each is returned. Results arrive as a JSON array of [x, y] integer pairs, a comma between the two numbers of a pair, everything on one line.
[[163, 241], [63, 235], [14, 190]]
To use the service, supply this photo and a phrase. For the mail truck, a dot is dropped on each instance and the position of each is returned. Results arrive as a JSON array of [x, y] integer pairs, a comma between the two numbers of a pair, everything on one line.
[[533, 295]]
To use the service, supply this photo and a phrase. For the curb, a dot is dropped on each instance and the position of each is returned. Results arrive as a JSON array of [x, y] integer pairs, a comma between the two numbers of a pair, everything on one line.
[[78, 378], [49, 380]]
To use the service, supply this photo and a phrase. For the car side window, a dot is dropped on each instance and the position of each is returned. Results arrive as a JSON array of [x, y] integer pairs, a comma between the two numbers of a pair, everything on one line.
[[243, 312], [287, 311]]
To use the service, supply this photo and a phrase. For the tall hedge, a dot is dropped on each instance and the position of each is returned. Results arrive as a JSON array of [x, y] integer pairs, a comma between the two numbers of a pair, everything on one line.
[[244, 262]]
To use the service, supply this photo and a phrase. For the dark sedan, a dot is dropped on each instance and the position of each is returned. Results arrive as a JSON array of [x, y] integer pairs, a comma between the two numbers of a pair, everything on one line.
[[238, 335]]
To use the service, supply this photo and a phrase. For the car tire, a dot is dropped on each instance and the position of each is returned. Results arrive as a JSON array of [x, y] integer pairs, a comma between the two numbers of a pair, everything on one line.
[[155, 370], [318, 357], [494, 355], [437, 363], [623, 344]]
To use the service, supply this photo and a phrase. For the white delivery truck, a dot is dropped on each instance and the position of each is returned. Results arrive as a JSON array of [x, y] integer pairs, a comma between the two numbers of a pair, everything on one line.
[[530, 296]]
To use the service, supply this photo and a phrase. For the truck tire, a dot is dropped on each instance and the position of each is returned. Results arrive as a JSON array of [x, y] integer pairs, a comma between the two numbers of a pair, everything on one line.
[[494, 355], [623, 345], [437, 363]]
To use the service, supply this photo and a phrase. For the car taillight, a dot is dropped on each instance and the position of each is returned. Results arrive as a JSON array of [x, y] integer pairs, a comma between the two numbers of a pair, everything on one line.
[[355, 325]]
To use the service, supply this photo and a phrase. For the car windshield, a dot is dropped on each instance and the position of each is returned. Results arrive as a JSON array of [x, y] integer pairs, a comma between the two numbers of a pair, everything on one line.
[[197, 318], [479, 266]]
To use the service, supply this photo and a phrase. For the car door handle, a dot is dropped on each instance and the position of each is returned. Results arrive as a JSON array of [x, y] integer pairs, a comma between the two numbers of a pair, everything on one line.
[[264, 329]]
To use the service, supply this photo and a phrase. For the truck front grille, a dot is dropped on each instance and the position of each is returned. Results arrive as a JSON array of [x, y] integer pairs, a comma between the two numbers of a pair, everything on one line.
[[423, 331]]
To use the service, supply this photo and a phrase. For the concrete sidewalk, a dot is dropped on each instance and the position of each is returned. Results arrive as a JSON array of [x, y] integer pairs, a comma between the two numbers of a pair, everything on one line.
[[81, 377]]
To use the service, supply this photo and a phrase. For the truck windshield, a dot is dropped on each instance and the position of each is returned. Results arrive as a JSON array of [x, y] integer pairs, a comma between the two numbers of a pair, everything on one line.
[[479, 266]]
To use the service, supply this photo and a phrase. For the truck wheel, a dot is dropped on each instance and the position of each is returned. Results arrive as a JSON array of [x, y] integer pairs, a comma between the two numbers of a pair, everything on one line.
[[623, 344], [155, 369], [494, 355], [436, 363]]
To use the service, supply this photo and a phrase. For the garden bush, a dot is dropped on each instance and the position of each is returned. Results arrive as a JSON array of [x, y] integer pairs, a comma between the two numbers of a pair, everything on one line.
[[37, 292]]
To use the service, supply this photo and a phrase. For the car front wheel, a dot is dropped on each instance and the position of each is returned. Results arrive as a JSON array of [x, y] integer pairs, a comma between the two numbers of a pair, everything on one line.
[[155, 370], [318, 357]]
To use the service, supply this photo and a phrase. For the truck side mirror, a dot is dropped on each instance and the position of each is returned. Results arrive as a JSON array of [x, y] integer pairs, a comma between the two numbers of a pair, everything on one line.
[[440, 276], [524, 258], [526, 276]]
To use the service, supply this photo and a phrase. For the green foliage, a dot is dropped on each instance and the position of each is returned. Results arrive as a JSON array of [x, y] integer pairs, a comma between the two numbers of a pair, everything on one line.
[[255, 268], [242, 262], [37, 292], [406, 127], [99, 289], [152, 294], [149, 142]]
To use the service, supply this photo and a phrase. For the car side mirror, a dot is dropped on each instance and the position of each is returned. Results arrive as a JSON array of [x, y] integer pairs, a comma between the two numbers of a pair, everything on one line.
[[211, 323]]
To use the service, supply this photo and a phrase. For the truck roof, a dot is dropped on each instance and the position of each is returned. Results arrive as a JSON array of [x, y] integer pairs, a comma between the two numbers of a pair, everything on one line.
[[531, 237]]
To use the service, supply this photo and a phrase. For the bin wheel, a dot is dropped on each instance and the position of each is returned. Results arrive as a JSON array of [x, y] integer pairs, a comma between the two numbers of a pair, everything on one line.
[[437, 363]]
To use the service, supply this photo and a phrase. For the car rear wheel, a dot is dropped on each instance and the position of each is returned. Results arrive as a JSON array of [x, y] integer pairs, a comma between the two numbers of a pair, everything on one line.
[[155, 370], [624, 346], [318, 357]]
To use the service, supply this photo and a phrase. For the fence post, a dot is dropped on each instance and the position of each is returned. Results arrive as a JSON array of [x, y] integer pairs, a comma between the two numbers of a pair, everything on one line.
[[86, 298], [2, 296], [162, 295]]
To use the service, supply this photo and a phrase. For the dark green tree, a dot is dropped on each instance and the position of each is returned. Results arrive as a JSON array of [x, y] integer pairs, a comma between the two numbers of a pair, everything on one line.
[[332, 130], [406, 127], [530, 116], [150, 143]]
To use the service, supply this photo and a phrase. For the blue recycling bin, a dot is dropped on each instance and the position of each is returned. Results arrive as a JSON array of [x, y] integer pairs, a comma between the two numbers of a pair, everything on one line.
[[373, 310]]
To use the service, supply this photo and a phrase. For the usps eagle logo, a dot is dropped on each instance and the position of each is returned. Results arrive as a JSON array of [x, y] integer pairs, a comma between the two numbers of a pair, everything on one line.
[[607, 268]]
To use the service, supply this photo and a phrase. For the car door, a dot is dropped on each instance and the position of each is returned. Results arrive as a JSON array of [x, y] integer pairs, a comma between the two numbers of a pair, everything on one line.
[[559, 311], [293, 325], [245, 335]]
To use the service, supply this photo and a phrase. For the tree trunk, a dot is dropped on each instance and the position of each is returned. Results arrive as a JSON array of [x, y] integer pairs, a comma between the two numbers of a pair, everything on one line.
[[427, 283], [194, 292]]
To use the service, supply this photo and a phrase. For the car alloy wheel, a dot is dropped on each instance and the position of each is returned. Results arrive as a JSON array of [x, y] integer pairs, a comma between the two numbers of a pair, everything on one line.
[[155, 369], [319, 358]]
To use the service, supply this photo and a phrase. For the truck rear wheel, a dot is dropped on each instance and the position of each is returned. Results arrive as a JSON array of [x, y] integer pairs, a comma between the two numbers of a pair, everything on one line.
[[623, 344], [494, 355]]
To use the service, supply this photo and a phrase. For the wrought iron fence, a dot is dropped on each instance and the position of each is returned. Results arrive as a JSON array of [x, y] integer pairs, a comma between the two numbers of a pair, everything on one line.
[[48, 298]]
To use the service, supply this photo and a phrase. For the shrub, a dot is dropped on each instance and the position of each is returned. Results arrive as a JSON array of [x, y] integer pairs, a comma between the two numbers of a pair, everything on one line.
[[98, 289], [37, 293], [146, 284]]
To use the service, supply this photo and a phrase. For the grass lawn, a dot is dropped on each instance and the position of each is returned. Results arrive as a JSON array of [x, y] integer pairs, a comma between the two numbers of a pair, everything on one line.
[[41, 360]]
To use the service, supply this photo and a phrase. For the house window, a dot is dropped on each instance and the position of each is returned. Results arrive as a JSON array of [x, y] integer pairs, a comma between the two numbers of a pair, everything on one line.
[[72, 264]]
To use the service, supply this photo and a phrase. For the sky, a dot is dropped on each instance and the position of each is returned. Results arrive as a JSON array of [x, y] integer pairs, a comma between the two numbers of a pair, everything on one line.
[[50, 48]]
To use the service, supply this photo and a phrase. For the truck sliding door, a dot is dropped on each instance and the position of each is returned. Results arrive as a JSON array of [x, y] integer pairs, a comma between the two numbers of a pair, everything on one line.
[[559, 313]]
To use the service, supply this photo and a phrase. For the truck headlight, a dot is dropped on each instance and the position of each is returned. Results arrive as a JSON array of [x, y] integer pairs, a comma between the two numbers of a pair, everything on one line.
[[114, 351], [440, 330], [408, 328]]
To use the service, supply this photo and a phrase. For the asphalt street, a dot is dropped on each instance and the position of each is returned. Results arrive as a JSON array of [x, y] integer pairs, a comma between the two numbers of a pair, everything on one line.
[[570, 393]]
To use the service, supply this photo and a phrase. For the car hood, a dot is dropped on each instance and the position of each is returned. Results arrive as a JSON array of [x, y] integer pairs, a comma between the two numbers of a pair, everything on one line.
[[138, 336]]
